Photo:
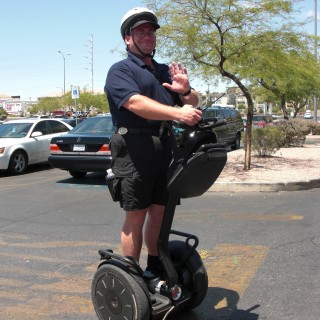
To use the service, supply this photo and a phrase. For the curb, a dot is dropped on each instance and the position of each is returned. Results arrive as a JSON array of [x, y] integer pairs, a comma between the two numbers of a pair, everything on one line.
[[264, 187]]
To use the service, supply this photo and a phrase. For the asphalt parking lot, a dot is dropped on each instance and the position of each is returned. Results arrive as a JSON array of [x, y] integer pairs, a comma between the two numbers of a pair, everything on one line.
[[261, 251]]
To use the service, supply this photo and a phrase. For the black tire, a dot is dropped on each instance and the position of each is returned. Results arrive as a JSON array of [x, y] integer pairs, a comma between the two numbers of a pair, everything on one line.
[[77, 174], [116, 295], [18, 163], [192, 274], [237, 143]]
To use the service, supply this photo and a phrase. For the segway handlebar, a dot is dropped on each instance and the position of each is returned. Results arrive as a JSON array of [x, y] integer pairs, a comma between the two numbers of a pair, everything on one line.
[[201, 125]]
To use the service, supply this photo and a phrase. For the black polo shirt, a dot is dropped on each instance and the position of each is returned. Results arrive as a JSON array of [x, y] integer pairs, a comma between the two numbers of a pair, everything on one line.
[[132, 76]]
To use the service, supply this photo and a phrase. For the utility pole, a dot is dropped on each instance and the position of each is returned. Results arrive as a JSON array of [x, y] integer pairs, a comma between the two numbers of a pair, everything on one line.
[[90, 57]]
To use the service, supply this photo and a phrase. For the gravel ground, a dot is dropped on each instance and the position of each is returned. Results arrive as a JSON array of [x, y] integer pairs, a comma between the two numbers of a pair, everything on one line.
[[286, 165]]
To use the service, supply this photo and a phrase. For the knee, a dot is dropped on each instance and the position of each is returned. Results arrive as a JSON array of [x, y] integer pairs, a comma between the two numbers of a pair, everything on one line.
[[135, 219], [156, 216]]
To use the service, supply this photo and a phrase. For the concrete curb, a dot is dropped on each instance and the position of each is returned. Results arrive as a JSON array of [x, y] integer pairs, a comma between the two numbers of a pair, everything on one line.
[[264, 187]]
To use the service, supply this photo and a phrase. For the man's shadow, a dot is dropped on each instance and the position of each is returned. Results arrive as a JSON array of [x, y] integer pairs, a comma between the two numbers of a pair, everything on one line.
[[229, 305], [219, 304]]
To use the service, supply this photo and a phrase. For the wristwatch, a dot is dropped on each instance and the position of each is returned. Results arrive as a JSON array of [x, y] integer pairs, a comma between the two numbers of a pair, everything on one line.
[[187, 92]]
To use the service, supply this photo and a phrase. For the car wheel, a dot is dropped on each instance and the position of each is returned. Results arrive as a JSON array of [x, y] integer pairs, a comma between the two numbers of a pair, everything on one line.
[[78, 174], [237, 143], [18, 163]]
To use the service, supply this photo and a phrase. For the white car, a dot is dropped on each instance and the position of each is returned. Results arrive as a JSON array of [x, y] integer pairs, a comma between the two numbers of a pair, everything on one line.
[[27, 141], [308, 115]]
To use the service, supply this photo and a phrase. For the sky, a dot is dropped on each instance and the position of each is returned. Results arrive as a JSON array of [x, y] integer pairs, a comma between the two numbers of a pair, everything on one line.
[[33, 31]]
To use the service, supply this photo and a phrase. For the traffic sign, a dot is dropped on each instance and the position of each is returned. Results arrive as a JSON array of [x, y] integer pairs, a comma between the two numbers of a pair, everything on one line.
[[75, 92]]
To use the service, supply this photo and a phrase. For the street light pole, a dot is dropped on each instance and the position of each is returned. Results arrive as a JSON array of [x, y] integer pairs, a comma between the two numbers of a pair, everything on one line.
[[64, 77], [315, 106]]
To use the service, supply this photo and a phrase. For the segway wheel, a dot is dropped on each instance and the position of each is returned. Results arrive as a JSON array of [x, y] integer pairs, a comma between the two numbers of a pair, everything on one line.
[[192, 274], [117, 295]]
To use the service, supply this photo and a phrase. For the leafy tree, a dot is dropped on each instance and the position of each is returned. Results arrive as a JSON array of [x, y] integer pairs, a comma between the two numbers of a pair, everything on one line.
[[217, 37], [298, 105], [46, 105], [291, 75], [88, 101]]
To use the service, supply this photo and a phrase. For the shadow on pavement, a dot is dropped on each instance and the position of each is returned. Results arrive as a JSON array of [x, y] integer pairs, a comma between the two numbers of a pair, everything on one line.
[[210, 309], [94, 178]]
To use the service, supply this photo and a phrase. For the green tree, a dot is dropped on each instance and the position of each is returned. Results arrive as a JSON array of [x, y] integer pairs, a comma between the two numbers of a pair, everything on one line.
[[216, 37], [88, 101], [288, 69], [46, 105]]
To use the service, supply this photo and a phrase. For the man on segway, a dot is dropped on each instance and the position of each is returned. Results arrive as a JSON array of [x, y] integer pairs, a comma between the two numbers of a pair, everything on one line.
[[141, 94]]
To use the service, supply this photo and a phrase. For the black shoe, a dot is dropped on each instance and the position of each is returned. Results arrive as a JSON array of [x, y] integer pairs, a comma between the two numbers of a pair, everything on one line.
[[150, 273]]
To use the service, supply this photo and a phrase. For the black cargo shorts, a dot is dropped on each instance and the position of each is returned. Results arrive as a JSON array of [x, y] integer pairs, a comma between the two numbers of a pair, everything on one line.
[[140, 163]]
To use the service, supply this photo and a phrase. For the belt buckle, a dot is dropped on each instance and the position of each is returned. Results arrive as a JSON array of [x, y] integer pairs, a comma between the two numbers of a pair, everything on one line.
[[122, 130]]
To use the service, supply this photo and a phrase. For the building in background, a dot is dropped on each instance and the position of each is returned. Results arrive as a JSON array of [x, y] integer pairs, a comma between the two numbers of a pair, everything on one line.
[[14, 106]]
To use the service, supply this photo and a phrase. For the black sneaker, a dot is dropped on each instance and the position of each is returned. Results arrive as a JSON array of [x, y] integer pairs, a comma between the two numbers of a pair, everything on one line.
[[151, 273]]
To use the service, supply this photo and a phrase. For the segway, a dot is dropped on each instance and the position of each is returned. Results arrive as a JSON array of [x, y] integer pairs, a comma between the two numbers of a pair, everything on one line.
[[120, 288]]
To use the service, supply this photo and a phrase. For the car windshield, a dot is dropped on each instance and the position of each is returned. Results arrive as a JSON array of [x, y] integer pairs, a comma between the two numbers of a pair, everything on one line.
[[14, 130], [258, 118], [97, 125]]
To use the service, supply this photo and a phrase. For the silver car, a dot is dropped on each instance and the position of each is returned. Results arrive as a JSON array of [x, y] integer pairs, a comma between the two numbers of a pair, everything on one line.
[[27, 141]]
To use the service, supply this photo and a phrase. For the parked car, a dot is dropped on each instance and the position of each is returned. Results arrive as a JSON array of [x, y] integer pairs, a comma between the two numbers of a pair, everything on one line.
[[261, 120], [72, 121], [229, 134], [26, 141], [85, 148], [244, 120], [42, 116], [308, 115]]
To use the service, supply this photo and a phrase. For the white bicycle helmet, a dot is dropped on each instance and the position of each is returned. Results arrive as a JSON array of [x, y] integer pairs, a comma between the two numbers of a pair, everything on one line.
[[135, 17]]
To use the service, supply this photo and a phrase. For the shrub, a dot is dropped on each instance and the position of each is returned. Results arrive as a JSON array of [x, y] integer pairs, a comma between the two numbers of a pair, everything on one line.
[[266, 141], [3, 114], [314, 127], [293, 131]]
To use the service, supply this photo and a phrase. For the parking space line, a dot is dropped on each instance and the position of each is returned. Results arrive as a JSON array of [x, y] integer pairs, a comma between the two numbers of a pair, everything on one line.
[[261, 217]]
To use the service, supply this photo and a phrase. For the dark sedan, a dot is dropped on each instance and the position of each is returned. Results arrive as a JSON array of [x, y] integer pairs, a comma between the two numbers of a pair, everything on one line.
[[85, 148], [72, 121]]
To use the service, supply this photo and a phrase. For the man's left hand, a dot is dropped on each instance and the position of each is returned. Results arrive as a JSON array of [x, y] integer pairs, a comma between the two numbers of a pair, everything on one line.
[[180, 80]]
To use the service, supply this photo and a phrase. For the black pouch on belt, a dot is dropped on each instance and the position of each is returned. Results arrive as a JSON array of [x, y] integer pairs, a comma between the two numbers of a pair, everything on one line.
[[114, 186]]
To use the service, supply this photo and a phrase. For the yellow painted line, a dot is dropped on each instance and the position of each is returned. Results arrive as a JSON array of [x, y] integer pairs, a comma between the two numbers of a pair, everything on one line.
[[27, 258], [261, 217], [56, 244], [230, 269], [38, 308], [192, 215], [28, 271], [70, 285], [13, 283]]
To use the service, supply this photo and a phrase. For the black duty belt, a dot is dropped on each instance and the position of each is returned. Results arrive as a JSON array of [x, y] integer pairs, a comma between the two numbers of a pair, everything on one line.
[[148, 131]]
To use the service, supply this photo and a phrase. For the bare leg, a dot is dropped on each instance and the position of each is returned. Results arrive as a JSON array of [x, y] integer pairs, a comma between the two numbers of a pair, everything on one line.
[[131, 235], [152, 230]]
